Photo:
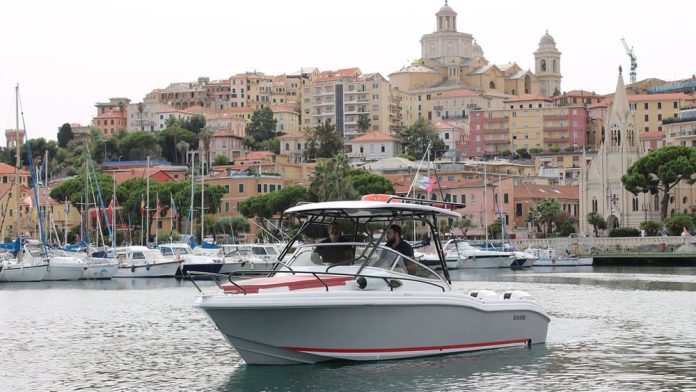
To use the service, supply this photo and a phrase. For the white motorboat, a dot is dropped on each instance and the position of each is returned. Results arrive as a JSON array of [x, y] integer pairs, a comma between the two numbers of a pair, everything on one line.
[[190, 262], [101, 264], [364, 301], [548, 258], [13, 270], [461, 255], [59, 267], [143, 262], [242, 259]]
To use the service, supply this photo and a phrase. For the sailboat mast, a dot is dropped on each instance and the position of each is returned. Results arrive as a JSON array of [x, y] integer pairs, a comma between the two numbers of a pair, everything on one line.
[[113, 212], [202, 201], [193, 176], [485, 212], [17, 163], [147, 203]]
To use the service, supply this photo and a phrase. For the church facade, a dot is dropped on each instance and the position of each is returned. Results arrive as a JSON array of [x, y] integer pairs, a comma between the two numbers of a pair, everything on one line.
[[601, 190], [454, 60]]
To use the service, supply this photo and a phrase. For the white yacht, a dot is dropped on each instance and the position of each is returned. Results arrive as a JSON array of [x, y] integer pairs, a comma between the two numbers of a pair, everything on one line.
[[364, 301], [101, 264], [461, 255], [143, 262], [14, 270], [547, 258], [59, 267], [190, 262]]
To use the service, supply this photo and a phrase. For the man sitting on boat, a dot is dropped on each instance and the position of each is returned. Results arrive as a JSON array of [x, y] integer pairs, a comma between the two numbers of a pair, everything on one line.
[[395, 242], [335, 253]]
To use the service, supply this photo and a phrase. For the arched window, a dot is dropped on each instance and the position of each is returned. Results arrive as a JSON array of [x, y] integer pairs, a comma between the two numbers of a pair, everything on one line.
[[555, 66], [491, 84], [543, 65]]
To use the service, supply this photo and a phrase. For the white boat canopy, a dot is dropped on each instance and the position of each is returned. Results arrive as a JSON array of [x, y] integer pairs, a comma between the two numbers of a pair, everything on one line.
[[356, 209]]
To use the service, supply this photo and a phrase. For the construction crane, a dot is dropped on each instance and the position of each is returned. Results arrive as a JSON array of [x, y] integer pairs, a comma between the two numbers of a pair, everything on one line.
[[632, 56]]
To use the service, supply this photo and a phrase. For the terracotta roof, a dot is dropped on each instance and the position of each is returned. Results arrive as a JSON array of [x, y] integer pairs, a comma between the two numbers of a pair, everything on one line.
[[224, 115], [528, 97], [657, 135], [140, 172], [245, 109], [7, 169], [598, 105], [447, 125], [294, 135], [197, 110], [533, 191], [337, 74], [375, 136], [256, 155], [579, 93]]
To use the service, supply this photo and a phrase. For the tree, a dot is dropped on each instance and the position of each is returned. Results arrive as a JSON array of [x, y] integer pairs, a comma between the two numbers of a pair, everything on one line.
[[261, 127], [364, 122], [495, 229], [273, 203], [194, 124], [65, 135], [171, 151], [272, 145], [660, 171], [323, 142], [183, 148], [231, 225], [330, 180], [220, 160], [546, 214], [676, 223], [139, 145], [651, 228], [416, 138], [523, 153], [206, 134], [535, 150], [597, 222], [73, 190], [365, 183], [465, 224]]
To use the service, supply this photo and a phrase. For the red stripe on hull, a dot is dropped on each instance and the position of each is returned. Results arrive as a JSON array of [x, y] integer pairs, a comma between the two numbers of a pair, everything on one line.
[[403, 349]]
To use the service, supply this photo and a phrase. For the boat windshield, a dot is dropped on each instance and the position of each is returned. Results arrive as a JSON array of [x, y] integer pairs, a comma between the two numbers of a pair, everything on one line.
[[333, 254], [173, 251]]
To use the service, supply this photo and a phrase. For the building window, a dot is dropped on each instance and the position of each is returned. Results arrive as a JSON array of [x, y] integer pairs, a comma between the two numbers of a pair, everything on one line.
[[645, 106], [383, 148], [272, 188], [227, 206], [505, 198], [646, 117], [659, 117], [241, 188], [287, 146], [446, 135], [258, 188], [675, 105], [265, 188]]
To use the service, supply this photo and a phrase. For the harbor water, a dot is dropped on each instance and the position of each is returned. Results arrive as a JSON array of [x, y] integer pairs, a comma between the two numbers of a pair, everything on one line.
[[613, 329]]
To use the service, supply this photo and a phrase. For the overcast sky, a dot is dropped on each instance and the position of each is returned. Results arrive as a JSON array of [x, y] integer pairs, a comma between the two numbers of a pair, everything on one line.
[[67, 55]]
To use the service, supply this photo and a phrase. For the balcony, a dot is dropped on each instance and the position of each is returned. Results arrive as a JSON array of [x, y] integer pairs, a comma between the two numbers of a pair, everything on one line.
[[496, 131], [496, 119], [681, 134], [323, 103], [356, 102], [555, 129], [497, 141], [555, 140], [328, 114], [555, 117], [437, 107]]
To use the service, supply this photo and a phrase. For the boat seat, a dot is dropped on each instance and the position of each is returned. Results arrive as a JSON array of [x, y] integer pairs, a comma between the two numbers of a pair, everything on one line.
[[297, 282]]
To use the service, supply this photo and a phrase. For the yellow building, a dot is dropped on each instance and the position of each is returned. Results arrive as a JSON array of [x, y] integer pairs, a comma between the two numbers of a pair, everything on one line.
[[454, 60], [287, 118], [681, 131]]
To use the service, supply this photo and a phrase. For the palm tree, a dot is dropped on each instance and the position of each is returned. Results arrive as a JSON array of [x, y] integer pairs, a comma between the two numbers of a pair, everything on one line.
[[205, 135], [183, 148], [330, 180], [141, 109]]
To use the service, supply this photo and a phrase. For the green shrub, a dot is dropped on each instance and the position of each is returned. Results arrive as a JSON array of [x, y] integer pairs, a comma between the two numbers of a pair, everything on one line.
[[624, 232], [651, 228]]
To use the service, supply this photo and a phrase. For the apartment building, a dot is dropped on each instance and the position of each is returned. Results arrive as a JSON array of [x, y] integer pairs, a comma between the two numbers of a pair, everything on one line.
[[287, 118], [182, 95], [681, 131], [374, 146], [528, 122], [144, 116], [341, 97], [577, 98], [112, 116]]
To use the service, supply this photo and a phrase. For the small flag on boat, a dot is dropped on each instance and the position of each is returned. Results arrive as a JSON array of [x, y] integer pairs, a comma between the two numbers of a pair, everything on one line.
[[425, 183]]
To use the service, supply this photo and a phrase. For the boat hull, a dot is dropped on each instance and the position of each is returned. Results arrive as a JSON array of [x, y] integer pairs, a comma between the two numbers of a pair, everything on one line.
[[472, 262], [64, 271], [155, 270], [369, 326], [249, 267], [184, 269], [15, 273], [104, 270]]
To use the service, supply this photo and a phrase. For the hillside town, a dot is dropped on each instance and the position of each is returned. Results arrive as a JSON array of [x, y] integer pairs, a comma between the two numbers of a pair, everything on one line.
[[509, 145]]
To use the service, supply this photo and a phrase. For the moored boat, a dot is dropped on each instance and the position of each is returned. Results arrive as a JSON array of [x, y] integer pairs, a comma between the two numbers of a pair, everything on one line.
[[366, 301], [143, 262]]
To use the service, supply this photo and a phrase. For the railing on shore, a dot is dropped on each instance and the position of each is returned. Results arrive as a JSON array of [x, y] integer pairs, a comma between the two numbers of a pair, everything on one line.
[[594, 245]]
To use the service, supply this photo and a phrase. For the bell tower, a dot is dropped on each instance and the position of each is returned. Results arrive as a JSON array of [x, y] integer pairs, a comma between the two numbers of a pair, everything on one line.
[[547, 61]]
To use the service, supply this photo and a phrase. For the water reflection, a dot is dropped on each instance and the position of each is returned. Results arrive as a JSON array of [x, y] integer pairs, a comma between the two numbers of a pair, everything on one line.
[[431, 373]]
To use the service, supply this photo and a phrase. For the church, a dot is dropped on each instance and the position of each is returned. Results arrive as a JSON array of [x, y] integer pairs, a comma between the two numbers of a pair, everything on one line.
[[601, 190], [454, 60]]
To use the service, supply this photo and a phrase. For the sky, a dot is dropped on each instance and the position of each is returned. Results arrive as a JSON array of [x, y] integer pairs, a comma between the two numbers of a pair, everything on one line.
[[67, 55]]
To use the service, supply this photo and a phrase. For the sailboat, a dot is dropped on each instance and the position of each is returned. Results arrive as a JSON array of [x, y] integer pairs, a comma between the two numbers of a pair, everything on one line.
[[15, 267]]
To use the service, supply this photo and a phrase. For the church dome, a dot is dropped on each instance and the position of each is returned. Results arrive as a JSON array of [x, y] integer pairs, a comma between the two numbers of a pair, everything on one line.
[[478, 50], [446, 9], [547, 39]]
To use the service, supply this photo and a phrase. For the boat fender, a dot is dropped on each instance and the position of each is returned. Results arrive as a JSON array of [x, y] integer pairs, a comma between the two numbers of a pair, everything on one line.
[[132, 267], [147, 266]]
